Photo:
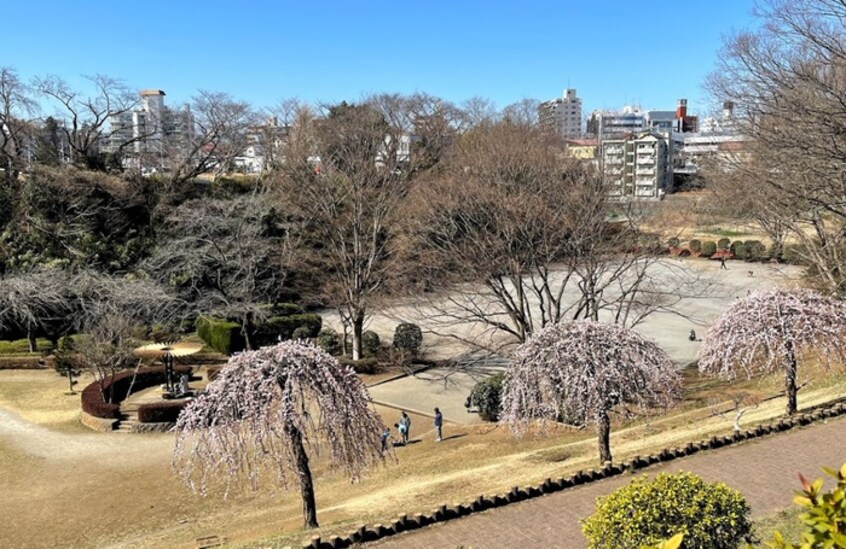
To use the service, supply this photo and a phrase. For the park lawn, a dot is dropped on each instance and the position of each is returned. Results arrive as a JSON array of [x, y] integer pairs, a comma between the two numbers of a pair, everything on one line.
[[41, 397], [785, 522], [126, 495]]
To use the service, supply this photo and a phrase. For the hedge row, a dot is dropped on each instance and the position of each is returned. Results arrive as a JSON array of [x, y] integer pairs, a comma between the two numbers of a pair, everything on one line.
[[226, 337], [161, 412], [92, 397], [222, 336], [444, 512]]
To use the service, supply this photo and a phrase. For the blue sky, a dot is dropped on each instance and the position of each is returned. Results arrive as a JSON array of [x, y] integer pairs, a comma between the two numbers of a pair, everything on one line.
[[613, 52]]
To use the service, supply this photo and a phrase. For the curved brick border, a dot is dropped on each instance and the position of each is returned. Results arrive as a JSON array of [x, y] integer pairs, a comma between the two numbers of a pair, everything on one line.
[[404, 523]]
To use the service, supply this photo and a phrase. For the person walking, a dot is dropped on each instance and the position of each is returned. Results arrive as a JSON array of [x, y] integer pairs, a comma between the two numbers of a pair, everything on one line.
[[439, 423], [406, 422], [386, 434], [723, 262]]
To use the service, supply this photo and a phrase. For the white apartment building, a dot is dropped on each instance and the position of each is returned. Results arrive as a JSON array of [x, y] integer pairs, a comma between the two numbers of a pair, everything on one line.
[[638, 166], [562, 115], [616, 124]]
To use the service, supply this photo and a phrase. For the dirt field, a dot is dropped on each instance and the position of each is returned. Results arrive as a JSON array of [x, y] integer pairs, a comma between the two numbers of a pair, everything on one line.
[[65, 486]]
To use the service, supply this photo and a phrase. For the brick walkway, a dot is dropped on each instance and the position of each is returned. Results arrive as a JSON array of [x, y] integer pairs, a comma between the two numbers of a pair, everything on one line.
[[764, 471]]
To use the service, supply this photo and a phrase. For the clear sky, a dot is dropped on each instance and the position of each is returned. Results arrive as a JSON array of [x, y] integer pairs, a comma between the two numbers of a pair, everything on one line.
[[614, 52]]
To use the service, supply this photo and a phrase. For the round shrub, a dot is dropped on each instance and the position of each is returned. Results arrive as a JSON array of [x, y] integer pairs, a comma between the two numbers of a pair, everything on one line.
[[710, 515], [328, 340], [370, 343], [755, 249], [708, 248], [723, 244], [673, 242], [487, 397], [409, 338], [695, 245], [738, 249], [303, 332]]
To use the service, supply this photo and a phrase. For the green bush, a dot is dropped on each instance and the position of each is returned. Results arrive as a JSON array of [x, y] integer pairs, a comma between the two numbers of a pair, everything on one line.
[[21, 346], [695, 245], [409, 338], [222, 336], [363, 366], [673, 242], [271, 330], [303, 332], [755, 249], [723, 244], [825, 516], [486, 396], [286, 309], [370, 343], [329, 341], [709, 515], [738, 250], [708, 248]]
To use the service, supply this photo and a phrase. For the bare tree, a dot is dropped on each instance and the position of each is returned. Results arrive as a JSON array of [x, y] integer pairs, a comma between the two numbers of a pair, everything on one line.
[[346, 179], [788, 79], [586, 369], [770, 331], [16, 109], [87, 126], [227, 257], [741, 402], [267, 411], [212, 131], [30, 301]]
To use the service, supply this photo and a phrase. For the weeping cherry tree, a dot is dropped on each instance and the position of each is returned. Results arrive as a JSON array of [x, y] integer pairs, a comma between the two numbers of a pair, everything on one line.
[[266, 413], [585, 369], [773, 330]]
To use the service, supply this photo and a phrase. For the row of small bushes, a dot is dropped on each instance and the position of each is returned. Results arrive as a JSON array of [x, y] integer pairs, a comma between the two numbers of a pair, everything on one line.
[[753, 250], [21, 346], [161, 412], [92, 395], [408, 338]]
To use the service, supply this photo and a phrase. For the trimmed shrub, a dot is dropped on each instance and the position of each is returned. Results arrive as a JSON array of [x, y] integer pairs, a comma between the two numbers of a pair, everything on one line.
[[329, 341], [409, 338], [695, 245], [738, 249], [723, 244], [755, 249], [303, 332], [161, 412], [92, 395], [222, 336], [709, 248], [673, 242], [487, 397], [276, 327], [286, 309], [370, 343], [363, 366], [21, 346], [710, 515]]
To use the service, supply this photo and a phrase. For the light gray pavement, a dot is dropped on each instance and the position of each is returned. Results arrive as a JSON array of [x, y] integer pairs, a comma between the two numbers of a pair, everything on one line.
[[708, 288], [764, 471]]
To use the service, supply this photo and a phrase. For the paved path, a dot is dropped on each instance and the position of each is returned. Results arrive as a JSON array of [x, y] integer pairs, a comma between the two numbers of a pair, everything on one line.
[[764, 471]]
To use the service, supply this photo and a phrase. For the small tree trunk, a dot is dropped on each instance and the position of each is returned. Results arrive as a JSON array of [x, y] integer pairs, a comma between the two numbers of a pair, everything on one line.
[[30, 336], [357, 329], [603, 430], [304, 473], [70, 380], [790, 380]]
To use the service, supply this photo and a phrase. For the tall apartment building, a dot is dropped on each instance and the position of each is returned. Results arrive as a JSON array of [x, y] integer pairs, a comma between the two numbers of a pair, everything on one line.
[[638, 166], [615, 124], [563, 115]]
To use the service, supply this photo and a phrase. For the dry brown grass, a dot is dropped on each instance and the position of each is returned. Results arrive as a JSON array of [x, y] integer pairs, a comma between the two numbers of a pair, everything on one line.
[[127, 497]]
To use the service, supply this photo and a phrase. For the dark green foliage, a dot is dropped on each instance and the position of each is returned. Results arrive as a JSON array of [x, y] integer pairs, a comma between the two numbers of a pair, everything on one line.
[[270, 331], [710, 515], [363, 366], [303, 332], [409, 338], [673, 242], [695, 245], [370, 343], [723, 244], [286, 309], [709, 248], [222, 336], [738, 250], [755, 249], [486, 396], [161, 412], [328, 341]]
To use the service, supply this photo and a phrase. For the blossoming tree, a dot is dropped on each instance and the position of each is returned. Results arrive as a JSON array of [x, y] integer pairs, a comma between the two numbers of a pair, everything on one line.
[[268, 410], [770, 331], [584, 369]]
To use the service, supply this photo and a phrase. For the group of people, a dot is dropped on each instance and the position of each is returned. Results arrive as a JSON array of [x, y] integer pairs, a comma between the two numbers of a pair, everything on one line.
[[403, 428]]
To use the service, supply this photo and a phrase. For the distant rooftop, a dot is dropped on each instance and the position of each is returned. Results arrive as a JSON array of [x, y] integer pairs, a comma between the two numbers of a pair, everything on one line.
[[145, 93]]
